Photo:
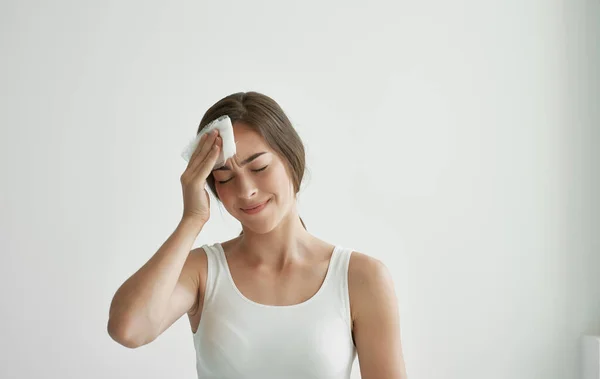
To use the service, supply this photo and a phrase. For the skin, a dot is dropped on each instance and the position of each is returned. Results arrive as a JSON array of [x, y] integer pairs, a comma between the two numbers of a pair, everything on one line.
[[277, 262]]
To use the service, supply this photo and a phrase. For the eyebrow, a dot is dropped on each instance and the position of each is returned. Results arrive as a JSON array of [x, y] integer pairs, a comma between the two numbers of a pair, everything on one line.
[[244, 162]]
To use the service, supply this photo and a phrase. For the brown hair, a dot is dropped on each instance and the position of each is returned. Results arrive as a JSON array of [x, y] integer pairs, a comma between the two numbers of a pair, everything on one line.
[[265, 116]]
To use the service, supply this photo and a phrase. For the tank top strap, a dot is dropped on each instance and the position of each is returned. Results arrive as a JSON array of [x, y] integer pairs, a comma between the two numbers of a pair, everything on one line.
[[340, 261], [214, 272], [339, 280]]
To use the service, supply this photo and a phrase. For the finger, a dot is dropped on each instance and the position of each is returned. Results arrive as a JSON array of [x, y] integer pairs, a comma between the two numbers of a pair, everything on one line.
[[206, 137], [197, 150], [203, 150], [207, 165]]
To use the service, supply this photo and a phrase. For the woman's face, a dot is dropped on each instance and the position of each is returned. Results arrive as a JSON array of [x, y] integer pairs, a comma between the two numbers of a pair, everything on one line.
[[255, 175]]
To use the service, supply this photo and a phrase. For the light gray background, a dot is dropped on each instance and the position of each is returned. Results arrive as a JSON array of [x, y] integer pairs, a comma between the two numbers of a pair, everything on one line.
[[456, 141]]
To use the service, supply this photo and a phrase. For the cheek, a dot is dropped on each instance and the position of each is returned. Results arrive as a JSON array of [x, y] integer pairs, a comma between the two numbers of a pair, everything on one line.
[[281, 182], [276, 174]]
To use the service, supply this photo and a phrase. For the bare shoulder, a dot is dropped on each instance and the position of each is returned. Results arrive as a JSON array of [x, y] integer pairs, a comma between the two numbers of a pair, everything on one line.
[[368, 277], [375, 318], [365, 269]]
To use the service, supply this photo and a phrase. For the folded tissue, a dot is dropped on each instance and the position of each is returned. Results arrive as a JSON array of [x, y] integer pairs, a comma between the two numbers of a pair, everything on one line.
[[223, 124]]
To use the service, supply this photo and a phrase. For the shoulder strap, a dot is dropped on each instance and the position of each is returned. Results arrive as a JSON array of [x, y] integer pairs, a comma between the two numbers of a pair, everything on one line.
[[340, 263], [212, 256]]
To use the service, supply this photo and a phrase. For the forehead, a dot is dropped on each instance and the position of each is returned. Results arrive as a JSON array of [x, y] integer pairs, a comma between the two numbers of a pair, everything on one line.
[[246, 135], [247, 141]]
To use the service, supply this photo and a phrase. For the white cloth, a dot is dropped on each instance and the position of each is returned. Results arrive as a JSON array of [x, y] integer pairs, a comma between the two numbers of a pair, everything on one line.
[[239, 338], [223, 124]]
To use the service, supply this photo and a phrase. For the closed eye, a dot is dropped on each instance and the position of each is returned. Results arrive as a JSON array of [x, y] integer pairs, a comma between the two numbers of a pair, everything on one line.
[[258, 170]]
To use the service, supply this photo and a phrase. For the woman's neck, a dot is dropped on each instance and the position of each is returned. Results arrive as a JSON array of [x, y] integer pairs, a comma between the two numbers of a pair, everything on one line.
[[287, 243]]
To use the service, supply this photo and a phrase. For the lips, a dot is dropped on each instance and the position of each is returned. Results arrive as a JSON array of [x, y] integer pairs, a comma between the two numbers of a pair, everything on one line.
[[255, 206], [257, 209]]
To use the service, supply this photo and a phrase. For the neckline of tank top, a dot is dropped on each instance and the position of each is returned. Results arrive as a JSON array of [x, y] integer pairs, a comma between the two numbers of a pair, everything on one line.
[[336, 250]]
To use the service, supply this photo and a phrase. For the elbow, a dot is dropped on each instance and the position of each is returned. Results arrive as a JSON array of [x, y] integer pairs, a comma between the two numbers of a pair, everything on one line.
[[121, 332]]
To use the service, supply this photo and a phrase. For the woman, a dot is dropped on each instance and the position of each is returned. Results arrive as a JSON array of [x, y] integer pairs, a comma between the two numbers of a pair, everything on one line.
[[276, 301]]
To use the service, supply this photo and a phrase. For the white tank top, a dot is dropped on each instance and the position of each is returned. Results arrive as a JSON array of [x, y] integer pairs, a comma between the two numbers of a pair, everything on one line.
[[239, 338]]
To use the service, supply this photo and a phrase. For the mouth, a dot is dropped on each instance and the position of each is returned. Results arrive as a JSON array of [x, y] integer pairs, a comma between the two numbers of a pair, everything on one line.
[[257, 208]]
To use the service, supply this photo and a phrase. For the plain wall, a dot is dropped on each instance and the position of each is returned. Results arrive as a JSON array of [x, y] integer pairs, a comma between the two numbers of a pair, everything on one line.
[[455, 141]]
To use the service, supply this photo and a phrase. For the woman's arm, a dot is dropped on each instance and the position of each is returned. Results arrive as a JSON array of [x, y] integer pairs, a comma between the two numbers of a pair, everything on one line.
[[376, 319], [160, 292]]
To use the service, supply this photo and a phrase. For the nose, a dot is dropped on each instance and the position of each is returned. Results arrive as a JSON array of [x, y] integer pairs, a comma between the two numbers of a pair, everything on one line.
[[246, 188]]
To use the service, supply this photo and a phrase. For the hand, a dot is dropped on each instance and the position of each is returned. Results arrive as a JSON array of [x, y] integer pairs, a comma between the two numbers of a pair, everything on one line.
[[196, 202]]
